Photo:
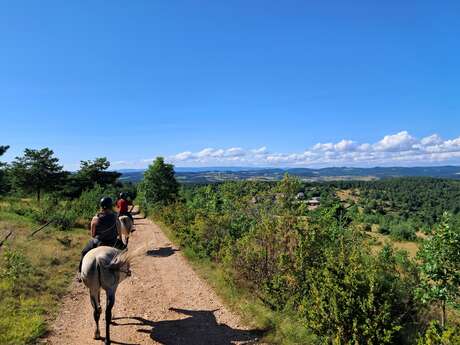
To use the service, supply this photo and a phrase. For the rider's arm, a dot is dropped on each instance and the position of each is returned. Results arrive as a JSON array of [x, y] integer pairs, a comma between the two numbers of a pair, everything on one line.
[[94, 222]]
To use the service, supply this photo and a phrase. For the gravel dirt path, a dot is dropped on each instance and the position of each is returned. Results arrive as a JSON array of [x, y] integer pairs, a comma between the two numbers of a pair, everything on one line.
[[163, 302]]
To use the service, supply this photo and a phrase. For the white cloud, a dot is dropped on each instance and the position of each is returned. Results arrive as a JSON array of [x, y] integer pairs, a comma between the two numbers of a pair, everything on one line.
[[364, 147], [396, 142], [260, 150], [119, 163], [210, 152], [183, 156], [235, 152], [323, 147], [452, 144], [345, 145], [393, 149], [431, 140]]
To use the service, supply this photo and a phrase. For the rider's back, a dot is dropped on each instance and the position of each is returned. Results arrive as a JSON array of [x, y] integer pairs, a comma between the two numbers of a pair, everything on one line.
[[106, 227], [122, 205]]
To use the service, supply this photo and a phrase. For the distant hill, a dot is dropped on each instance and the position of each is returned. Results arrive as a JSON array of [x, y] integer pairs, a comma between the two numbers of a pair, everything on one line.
[[219, 174]]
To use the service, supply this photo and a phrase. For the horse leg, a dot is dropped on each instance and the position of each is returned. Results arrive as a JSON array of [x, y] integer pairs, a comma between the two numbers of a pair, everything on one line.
[[108, 314], [95, 302]]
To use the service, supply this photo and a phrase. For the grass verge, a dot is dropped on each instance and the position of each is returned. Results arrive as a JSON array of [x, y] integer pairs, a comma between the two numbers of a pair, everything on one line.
[[34, 275]]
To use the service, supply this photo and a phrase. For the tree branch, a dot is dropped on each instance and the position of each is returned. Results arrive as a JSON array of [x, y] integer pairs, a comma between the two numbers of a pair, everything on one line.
[[40, 228], [6, 237]]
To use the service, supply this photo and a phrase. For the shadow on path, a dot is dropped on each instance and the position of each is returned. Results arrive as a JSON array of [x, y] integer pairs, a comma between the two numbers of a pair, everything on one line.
[[162, 252], [199, 328], [118, 342]]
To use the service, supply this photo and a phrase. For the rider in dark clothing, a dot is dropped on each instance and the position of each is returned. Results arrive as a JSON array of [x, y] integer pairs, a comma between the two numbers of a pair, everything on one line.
[[105, 228]]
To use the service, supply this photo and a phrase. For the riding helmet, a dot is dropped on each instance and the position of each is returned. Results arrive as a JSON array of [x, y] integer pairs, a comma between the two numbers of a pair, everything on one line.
[[106, 202]]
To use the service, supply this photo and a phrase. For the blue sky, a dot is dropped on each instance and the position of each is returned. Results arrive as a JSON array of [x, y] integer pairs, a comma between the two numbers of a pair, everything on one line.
[[232, 82]]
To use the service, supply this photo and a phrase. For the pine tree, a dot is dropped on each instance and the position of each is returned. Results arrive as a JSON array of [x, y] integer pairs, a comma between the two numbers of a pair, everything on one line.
[[36, 172]]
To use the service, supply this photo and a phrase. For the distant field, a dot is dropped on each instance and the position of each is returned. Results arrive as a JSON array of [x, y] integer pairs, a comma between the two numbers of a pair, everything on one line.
[[220, 174]]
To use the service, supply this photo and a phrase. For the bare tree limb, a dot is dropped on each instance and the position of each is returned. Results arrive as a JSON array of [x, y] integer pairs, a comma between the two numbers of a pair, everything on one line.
[[40, 228], [6, 237]]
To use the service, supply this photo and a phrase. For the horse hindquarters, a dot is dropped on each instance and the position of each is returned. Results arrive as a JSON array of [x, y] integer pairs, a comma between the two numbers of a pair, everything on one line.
[[126, 227]]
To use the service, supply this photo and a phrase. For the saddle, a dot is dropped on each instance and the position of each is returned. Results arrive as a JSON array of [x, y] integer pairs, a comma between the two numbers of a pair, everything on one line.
[[118, 244]]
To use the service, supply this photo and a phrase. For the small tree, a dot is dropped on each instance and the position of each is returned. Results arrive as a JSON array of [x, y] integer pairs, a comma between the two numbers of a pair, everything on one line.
[[159, 184], [91, 173], [3, 149], [3, 184], [96, 172], [36, 172], [440, 268]]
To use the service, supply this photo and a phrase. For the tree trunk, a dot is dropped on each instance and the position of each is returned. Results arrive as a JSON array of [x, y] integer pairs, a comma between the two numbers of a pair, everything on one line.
[[38, 195], [443, 316]]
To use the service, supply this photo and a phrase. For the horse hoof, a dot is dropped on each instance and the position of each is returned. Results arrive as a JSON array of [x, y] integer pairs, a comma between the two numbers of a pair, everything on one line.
[[107, 342], [97, 337]]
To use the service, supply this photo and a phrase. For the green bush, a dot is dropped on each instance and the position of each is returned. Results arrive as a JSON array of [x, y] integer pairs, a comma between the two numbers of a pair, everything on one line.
[[87, 204], [65, 220], [16, 269], [41, 215], [350, 300], [403, 232], [21, 209], [367, 227], [436, 335]]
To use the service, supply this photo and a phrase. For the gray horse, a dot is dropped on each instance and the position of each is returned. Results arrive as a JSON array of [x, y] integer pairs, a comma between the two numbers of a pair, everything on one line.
[[104, 267], [125, 229]]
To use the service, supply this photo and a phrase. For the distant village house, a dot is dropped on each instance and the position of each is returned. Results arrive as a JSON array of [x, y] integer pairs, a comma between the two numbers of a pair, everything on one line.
[[314, 203]]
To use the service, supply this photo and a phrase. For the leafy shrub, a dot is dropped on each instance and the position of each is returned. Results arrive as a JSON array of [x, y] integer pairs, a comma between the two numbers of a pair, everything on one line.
[[403, 232], [21, 209], [41, 215], [357, 298], [367, 227], [88, 202], [16, 268], [64, 220], [436, 335]]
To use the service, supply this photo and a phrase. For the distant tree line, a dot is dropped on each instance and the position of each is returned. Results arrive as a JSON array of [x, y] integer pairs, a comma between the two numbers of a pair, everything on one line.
[[38, 171], [401, 207], [65, 199]]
